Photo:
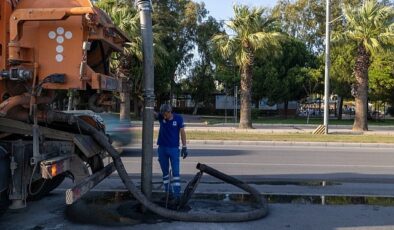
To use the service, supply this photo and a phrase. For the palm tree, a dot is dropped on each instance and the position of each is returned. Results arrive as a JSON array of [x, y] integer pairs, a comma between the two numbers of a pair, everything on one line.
[[251, 31], [371, 28], [128, 64]]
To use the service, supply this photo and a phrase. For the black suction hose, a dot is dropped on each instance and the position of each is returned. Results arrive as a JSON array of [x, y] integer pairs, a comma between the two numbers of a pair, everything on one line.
[[261, 204], [231, 180]]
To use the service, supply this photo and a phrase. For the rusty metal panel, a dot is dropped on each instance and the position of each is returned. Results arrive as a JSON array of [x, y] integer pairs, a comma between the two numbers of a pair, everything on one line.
[[5, 11], [3, 38], [13, 126], [55, 148], [103, 82], [87, 145]]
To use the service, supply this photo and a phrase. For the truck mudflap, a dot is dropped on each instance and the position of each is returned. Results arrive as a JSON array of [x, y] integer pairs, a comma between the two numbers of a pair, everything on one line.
[[75, 193]]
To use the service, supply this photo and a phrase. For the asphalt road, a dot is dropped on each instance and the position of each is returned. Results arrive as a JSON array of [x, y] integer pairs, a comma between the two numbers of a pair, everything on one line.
[[252, 163], [298, 162]]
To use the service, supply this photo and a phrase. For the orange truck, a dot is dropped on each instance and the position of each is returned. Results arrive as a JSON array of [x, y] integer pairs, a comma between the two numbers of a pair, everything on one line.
[[51, 51]]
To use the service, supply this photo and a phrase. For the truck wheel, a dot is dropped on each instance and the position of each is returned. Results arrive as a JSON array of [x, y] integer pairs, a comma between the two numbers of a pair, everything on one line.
[[4, 202], [43, 187], [95, 163]]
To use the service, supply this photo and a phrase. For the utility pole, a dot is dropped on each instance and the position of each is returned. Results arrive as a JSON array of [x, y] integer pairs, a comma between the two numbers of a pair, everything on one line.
[[236, 104], [145, 9], [327, 69]]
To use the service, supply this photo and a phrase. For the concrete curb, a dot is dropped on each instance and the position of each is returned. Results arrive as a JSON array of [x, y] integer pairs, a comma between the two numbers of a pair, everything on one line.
[[286, 143]]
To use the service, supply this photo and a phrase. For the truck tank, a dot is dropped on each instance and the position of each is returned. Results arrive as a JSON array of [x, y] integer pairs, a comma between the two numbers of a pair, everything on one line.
[[52, 51]]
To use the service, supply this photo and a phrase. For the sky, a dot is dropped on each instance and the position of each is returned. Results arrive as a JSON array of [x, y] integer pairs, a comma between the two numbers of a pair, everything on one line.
[[223, 9]]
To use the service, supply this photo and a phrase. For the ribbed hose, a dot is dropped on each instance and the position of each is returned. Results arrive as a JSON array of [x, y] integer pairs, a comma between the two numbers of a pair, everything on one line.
[[261, 204], [231, 180]]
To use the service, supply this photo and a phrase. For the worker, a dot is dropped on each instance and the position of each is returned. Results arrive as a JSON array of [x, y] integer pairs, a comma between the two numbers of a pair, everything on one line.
[[171, 127]]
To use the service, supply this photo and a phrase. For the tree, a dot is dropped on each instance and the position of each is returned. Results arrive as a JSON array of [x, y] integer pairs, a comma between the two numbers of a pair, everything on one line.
[[305, 20], [288, 75], [342, 57], [381, 78], [371, 28], [252, 31], [129, 64], [175, 21], [202, 74], [341, 73], [123, 15]]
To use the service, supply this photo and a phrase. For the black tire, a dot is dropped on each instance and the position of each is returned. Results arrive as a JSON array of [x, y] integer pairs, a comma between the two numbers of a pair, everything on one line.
[[95, 163], [4, 178], [4, 202], [43, 187]]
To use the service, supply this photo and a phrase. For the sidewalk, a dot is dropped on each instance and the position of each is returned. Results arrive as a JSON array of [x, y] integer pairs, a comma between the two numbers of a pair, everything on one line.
[[300, 214], [50, 214]]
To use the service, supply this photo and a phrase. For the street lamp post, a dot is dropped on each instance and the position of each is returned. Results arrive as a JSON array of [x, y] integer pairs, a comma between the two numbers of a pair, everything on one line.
[[327, 69], [236, 104], [145, 9]]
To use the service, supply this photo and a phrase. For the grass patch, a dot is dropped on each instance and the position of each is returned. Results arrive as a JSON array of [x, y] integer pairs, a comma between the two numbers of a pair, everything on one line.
[[297, 137], [300, 121], [292, 137]]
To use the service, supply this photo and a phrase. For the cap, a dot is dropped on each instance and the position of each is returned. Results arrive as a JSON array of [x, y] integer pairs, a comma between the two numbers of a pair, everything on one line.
[[165, 108]]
